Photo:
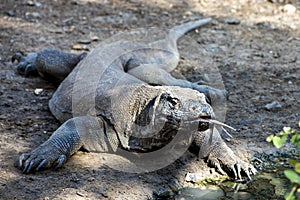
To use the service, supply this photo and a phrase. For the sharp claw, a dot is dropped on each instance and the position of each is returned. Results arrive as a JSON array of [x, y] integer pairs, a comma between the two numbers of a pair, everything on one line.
[[220, 169], [21, 159], [248, 174], [17, 57], [238, 166], [28, 69], [30, 166], [234, 172], [41, 165], [60, 161], [253, 170], [25, 170]]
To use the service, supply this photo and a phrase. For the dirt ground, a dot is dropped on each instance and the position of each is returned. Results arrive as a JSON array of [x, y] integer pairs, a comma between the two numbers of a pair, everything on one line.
[[254, 44]]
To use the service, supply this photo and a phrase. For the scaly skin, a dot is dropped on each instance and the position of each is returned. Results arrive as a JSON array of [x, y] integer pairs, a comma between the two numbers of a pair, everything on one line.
[[107, 102]]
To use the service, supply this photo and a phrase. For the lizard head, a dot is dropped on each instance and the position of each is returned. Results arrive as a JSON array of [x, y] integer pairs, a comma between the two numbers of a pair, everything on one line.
[[175, 105]]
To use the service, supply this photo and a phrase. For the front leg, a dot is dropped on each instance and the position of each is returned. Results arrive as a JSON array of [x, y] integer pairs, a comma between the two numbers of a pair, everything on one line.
[[87, 132], [220, 155]]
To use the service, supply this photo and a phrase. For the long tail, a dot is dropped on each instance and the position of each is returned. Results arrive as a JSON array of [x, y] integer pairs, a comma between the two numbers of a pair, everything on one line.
[[178, 31]]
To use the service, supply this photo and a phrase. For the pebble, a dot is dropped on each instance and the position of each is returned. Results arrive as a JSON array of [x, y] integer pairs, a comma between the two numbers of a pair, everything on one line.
[[91, 179], [35, 15], [233, 22], [274, 106], [32, 3], [88, 41], [80, 194], [2, 117], [38, 4], [38, 91], [289, 9], [80, 47], [84, 41], [264, 24], [11, 13], [194, 177], [190, 177]]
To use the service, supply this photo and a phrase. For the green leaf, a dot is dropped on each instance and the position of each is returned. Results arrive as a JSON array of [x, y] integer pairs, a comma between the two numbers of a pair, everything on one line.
[[297, 167], [293, 176], [270, 138], [295, 139], [279, 141], [287, 130], [289, 196], [292, 162]]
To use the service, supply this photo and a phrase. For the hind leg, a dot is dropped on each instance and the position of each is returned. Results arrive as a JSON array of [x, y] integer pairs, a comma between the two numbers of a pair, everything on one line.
[[48, 63]]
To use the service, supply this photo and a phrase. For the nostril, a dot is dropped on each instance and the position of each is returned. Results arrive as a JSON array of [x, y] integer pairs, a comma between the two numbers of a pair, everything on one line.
[[192, 108]]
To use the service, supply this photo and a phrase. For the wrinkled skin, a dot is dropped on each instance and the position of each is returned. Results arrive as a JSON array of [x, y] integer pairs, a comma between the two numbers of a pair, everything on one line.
[[117, 106]]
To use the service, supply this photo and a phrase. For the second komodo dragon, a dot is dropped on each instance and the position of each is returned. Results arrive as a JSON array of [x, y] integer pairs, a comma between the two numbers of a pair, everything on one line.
[[121, 96]]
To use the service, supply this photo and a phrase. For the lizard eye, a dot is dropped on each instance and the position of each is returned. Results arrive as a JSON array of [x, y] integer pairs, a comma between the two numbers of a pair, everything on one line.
[[174, 103]]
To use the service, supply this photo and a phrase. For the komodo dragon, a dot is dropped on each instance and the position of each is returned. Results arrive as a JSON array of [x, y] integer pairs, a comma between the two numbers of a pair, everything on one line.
[[122, 96]]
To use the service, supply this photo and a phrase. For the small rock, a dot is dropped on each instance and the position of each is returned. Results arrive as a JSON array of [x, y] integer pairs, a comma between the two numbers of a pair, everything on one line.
[[34, 15], [264, 24], [38, 4], [274, 106], [95, 38], [38, 91], [188, 13], [85, 41], [233, 22], [194, 177], [30, 3], [80, 194], [57, 31], [33, 3], [77, 2], [80, 47], [2, 117], [190, 177], [277, 1], [213, 48], [11, 13], [289, 9], [91, 179]]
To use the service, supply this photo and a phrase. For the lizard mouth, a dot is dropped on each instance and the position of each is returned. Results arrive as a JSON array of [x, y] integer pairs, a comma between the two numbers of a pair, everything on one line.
[[215, 122], [206, 120], [203, 123]]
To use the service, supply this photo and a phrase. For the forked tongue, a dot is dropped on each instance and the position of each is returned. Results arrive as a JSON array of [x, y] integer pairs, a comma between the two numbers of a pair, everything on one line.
[[217, 123]]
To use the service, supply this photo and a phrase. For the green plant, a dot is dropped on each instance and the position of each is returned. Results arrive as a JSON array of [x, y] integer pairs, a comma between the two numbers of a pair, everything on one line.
[[292, 174]]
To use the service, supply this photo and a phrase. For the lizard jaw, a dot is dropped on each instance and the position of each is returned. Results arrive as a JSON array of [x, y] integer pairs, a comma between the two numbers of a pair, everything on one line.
[[203, 122]]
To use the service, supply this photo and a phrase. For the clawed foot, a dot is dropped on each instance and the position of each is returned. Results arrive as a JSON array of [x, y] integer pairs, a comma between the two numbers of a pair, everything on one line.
[[223, 156], [43, 157], [26, 64]]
